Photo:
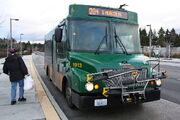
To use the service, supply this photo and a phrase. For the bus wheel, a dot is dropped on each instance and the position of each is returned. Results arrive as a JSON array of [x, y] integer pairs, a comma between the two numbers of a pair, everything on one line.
[[68, 95]]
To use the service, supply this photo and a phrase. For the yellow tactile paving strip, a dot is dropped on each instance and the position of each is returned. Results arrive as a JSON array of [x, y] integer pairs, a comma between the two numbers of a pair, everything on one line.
[[48, 109]]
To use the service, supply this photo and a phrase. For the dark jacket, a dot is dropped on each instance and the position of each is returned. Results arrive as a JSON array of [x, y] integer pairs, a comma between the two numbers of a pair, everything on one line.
[[15, 67]]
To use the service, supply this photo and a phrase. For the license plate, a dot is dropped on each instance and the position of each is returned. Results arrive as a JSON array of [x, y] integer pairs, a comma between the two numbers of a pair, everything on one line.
[[100, 102]]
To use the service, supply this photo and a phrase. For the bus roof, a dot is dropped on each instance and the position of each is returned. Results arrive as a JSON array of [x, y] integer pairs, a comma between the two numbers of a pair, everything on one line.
[[102, 13]]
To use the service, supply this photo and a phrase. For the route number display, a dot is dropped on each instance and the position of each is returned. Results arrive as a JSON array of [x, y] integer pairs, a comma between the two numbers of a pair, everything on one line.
[[104, 12]]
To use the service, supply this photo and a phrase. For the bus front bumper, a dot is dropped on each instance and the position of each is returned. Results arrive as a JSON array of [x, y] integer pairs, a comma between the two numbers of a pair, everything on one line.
[[97, 101]]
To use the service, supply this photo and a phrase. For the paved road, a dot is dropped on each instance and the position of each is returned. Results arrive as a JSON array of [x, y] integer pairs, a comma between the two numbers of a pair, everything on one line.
[[157, 110], [171, 85]]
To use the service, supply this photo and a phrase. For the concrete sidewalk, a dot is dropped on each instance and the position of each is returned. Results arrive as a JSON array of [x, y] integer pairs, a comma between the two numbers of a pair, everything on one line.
[[171, 60], [29, 110], [168, 60]]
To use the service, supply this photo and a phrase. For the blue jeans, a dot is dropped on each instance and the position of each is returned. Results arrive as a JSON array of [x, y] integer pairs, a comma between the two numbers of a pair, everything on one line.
[[13, 89]]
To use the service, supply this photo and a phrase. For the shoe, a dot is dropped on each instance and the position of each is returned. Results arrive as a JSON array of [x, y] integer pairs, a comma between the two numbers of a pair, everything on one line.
[[22, 99], [13, 102]]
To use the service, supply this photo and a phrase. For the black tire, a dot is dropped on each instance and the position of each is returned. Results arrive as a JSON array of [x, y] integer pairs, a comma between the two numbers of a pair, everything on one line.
[[68, 94], [47, 72]]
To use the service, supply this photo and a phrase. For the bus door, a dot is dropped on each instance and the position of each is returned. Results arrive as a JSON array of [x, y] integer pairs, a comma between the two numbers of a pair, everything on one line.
[[54, 59], [61, 59]]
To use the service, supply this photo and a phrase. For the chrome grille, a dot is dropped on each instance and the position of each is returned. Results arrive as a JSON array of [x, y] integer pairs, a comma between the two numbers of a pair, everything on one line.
[[142, 75], [117, 81]]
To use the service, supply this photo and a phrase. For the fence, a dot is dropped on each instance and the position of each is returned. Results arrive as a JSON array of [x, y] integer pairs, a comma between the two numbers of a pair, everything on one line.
[[163, 51]]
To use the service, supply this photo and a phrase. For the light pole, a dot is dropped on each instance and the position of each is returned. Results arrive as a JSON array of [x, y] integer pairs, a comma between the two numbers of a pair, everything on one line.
[[150, 40], [11, 29], [21, 44]]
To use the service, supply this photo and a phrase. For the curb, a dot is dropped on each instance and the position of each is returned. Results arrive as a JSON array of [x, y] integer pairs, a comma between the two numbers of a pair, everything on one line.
[[53, 102], [169, 61], [46, 105]]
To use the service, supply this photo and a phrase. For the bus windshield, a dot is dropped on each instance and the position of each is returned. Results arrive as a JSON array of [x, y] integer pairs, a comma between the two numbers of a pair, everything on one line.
[[94, 36], [88, 35], [128, 35]]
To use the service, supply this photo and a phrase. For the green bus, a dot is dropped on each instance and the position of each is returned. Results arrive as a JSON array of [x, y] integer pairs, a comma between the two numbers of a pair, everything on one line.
[[94, 57]]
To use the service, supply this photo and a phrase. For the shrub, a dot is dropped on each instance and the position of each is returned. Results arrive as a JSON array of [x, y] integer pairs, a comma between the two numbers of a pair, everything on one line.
[[176, 55]]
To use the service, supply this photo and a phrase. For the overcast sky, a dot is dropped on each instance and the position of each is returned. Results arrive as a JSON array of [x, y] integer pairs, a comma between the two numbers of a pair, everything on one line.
[[38, 17]]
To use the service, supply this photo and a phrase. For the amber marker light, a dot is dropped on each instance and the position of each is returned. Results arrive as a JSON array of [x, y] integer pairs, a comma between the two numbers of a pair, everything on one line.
[[96, 86], [152, 82]]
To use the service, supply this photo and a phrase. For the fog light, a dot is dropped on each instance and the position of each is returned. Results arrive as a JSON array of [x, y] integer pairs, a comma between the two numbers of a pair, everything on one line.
[[89, 86], [96, 86], [129, 99], [158, 82]]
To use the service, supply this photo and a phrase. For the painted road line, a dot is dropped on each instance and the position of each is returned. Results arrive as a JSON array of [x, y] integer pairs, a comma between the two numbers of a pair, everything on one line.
[[48, 109], [58, 109]]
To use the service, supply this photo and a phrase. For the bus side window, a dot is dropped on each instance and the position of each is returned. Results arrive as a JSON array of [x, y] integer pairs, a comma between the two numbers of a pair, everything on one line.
[[61, 45]]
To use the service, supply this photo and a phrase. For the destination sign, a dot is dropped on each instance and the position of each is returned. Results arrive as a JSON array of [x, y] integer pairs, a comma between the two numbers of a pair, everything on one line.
[[105, 12]]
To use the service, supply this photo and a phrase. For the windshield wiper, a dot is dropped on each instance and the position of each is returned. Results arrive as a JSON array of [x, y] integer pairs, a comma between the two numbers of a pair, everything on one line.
[[118, 40], [104, 38]]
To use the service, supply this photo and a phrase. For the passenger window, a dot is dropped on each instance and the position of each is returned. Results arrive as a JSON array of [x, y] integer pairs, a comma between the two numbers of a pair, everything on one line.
[[61, 45]]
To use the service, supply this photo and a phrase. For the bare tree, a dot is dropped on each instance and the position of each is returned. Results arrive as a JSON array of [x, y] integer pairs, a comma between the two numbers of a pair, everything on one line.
[[2, 20]]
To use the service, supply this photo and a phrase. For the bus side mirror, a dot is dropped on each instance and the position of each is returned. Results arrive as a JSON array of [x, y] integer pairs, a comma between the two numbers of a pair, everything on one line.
[[58, 34]]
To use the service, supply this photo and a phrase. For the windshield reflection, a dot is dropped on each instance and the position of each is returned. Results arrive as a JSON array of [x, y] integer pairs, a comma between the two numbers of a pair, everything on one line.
[[95, 36], [128, 35], [88, 35]]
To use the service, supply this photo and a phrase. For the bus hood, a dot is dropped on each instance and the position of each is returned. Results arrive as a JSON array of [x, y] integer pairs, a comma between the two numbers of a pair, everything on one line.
[[92, 63]]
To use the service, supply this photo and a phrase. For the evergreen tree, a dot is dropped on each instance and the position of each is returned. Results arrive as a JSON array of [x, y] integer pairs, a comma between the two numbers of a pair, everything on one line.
[[173, 36], [161, 39], [167, 37], [177, 41], [154, 37], [143, 37]]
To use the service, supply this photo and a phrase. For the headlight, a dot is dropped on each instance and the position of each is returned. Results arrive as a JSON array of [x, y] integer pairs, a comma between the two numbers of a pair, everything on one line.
[[158, 82], [89, 86]]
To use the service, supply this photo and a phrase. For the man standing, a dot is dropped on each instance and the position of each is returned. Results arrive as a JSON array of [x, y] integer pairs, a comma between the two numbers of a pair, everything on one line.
[[15, 67]]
